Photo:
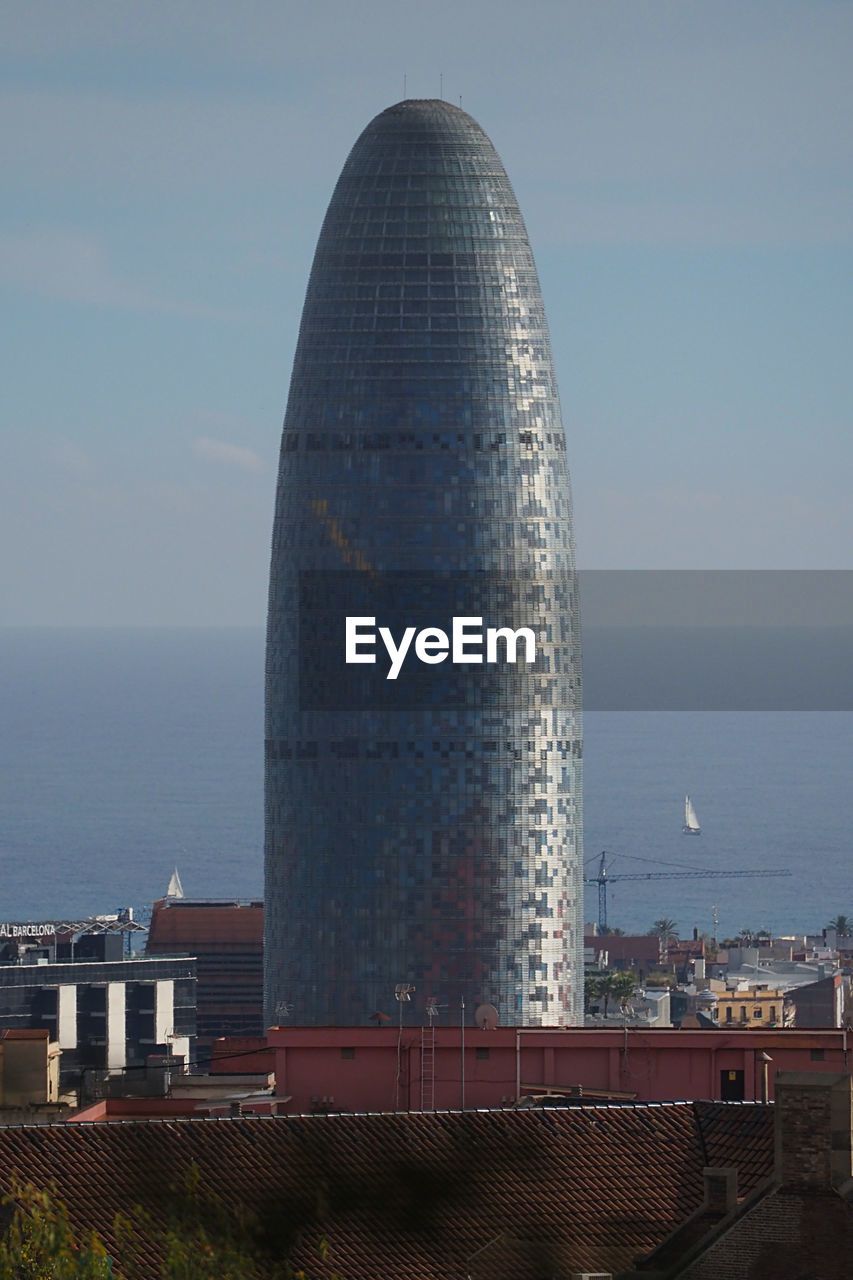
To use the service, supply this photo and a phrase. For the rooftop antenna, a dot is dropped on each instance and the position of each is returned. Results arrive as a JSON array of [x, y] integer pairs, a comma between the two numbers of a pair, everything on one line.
[[441, 86], [460, 102], [462, 1049], [403, 995], [404, 86]]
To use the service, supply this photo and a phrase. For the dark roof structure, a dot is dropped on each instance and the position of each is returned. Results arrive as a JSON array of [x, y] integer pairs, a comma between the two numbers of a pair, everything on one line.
[[797, 1225], [434, 1196]]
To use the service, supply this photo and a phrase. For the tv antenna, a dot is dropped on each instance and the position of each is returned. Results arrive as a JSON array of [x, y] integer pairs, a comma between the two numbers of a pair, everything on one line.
[[403, 995]]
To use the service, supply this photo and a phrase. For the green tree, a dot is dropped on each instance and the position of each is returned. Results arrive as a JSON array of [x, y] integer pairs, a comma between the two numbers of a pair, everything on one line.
[[622, 987], [40, 1243], [613, 985], [593, 990], [841, 925], [202, 1239], [665, 929]]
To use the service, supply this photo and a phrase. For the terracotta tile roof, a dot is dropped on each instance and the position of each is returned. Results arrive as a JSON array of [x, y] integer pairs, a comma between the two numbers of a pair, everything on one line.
[[415, 1197], [737, 1138]]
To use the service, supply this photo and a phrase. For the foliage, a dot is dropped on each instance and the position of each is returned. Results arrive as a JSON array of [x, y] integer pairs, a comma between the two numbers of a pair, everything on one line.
[[661, 978], [613, 985], [842, 925], [40, 1244], [203, 1239], [665, 929]]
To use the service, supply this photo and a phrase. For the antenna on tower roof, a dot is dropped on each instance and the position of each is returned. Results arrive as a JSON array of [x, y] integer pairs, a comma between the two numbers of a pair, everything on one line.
[[441, 86], [404, 86]]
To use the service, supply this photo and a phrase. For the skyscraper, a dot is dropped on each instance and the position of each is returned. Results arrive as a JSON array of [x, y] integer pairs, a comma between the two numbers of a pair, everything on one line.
[[423, 804]]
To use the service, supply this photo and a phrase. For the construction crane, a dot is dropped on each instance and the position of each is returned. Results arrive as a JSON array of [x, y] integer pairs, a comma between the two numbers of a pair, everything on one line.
[[603, 879]]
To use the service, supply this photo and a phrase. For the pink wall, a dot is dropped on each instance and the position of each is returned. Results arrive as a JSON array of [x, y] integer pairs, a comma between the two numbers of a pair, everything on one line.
[[315, 1067]]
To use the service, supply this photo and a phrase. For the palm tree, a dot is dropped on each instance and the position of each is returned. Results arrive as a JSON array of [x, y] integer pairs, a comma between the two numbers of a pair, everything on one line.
[[611, 986], [665, 929], [841, 925], [593, 990], [623, 987]]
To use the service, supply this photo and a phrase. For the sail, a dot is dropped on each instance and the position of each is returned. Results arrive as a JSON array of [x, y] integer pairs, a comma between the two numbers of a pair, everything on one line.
[[691, 822], [175, 889]]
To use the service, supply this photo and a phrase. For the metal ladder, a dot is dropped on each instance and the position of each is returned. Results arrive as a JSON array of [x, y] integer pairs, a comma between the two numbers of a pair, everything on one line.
[[428, 1067]]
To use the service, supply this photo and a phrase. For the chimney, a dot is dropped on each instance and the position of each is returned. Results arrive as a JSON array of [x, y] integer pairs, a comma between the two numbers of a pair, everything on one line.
[[814, 1130], [720, 1190]]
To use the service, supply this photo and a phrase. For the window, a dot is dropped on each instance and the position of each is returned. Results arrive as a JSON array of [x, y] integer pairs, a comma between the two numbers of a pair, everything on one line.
[[347, 1052], [482, 1054], [756, 1013], [728, 1013], [816, 1055]]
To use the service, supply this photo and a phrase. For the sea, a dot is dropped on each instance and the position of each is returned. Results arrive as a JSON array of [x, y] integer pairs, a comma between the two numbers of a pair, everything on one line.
[[127, 753]]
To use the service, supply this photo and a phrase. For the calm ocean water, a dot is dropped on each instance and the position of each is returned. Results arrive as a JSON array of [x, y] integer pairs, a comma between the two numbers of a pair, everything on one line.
[[125, 753]]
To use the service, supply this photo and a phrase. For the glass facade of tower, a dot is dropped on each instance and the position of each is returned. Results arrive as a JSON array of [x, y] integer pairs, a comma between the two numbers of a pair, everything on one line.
[[423, 830]]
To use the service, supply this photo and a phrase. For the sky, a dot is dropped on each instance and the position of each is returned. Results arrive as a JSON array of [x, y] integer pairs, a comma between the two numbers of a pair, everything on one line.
[[685, 173]]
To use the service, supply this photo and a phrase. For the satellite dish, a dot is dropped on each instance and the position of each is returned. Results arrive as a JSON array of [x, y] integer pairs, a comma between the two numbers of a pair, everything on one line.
[[486, 1017]]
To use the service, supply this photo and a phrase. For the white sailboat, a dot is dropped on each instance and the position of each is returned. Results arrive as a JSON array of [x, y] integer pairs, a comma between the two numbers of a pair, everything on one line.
[[691, 822], [175, 889]]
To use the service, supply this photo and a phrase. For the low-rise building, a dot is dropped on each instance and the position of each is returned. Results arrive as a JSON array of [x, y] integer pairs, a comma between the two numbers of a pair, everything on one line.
[[107, 1010], [822, 1003], [756, 1005], [424, 1069], [29, 1069]]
